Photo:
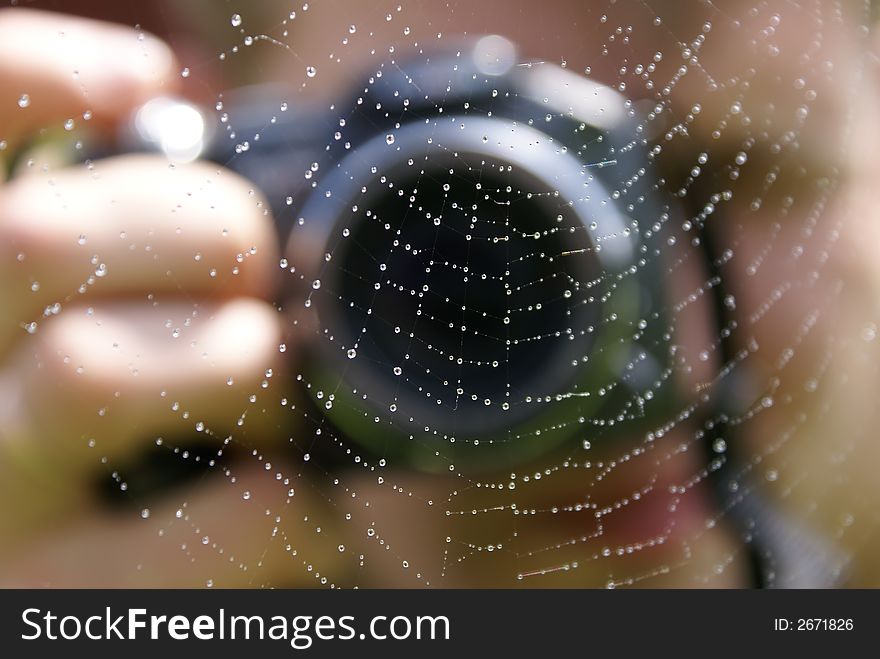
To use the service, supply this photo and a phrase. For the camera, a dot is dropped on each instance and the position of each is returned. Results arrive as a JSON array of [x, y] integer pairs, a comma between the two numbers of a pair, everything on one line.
[[475, 241]]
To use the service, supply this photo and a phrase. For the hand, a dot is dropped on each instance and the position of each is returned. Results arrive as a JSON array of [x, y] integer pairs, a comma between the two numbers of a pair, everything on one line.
[[134, 307]]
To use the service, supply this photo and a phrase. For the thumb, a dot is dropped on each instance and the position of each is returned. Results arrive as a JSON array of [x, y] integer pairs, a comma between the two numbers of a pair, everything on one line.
[[55, 67]]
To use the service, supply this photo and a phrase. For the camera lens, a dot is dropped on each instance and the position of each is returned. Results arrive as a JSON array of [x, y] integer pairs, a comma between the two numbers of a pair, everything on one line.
[[478, 288], [457, 277]]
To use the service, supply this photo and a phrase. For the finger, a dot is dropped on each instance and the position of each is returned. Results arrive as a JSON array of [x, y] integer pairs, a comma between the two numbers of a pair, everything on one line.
[[99, 384], [244, 529], [54, 67], [131, 224]]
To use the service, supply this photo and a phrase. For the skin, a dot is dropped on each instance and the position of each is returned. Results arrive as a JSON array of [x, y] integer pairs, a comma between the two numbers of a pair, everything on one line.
[[108, 350], [109, 367]]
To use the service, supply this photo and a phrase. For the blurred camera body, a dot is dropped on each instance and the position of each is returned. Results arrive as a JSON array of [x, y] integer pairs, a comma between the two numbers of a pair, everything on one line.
[[476, 238]]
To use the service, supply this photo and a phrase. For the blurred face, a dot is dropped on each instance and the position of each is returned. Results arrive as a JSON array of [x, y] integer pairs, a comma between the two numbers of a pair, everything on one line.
[[755, 124]]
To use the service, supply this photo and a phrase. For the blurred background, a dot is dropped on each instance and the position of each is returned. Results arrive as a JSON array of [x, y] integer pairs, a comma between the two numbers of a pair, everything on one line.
[[174, 411]]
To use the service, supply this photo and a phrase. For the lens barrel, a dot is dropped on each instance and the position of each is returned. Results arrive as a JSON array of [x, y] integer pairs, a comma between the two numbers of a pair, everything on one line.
[[486, 276]]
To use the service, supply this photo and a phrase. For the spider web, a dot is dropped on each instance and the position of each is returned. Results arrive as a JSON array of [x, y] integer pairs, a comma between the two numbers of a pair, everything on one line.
[[580, 319]]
